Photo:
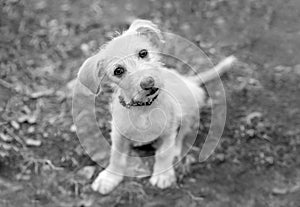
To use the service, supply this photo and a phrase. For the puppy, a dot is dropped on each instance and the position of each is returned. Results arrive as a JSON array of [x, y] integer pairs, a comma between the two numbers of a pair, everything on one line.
[[150, 102]]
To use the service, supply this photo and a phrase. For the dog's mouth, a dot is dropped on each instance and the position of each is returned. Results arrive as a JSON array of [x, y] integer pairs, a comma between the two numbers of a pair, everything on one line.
[[146, 101]]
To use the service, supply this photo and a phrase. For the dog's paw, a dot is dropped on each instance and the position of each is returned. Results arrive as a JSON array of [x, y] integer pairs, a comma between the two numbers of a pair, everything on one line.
[[106, 182], [163, 180]]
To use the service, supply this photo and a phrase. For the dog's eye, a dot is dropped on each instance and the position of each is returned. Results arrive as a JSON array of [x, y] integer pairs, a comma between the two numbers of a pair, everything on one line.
[[119, 71], [143, 53]]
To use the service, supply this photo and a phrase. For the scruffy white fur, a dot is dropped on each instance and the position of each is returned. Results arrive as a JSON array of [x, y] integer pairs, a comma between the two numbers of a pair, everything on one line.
[[177, 102]]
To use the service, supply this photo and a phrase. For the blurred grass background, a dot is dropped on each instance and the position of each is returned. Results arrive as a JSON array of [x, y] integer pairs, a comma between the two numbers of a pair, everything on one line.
[[43, 43]]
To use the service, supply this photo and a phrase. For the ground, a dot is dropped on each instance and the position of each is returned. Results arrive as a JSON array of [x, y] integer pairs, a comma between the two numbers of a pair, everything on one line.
[[43, 43]]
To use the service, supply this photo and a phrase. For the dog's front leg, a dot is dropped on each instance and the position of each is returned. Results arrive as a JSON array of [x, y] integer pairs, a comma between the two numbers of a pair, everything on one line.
[[163, 173], [109, 178]]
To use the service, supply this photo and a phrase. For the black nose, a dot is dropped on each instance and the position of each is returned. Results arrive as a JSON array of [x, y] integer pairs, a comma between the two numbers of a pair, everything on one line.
[[147, 83]]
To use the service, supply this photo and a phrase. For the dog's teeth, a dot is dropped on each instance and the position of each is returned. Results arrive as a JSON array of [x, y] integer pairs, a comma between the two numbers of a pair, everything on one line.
[[148, 102]]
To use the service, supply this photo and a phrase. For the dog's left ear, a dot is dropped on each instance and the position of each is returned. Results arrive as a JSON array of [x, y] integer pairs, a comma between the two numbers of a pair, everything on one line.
[[90, 73], [148, 29]]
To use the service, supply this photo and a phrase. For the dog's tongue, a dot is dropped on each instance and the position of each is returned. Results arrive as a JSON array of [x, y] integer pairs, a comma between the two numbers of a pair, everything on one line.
[[140, 97], [144, 96]]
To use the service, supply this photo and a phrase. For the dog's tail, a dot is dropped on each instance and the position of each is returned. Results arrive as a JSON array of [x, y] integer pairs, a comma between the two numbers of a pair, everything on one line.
[[215, 72]]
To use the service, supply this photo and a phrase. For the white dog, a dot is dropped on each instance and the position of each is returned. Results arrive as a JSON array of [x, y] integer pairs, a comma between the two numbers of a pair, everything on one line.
[[150, 102]]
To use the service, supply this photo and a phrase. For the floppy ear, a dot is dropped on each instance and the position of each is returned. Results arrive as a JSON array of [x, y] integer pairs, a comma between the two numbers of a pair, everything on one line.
[[148, 29], [90, 73]]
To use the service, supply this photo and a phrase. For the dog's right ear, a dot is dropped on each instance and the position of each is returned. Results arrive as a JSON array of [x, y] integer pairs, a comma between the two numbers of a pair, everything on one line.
[[90, 73], [148, 29]]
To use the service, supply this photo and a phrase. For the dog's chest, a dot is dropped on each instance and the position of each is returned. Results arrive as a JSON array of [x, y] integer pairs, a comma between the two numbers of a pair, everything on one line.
[[141, 127]]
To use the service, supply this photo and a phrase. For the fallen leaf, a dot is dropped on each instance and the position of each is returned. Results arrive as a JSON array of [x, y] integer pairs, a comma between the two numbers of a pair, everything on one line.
[[22, 177], [39, 94], [270, 160], [5, 146], [15, 124], [280, 191], [31, 129], [33, 142], [295, 188], [27, 118], [253, 115], [5, 137]]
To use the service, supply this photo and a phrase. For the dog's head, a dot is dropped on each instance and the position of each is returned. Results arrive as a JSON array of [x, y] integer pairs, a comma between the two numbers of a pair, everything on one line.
[[131, 61]]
